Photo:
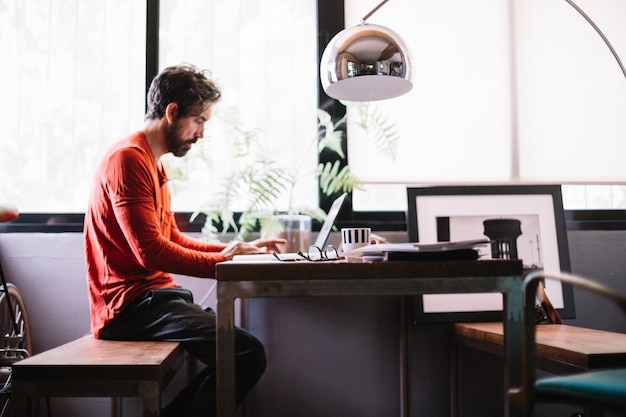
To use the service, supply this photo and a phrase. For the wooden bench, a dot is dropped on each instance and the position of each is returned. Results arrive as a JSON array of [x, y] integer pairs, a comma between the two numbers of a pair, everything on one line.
[[88, 367], [560, 349]]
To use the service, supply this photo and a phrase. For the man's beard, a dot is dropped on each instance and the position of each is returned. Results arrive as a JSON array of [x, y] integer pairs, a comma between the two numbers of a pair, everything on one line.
[[176, 145]]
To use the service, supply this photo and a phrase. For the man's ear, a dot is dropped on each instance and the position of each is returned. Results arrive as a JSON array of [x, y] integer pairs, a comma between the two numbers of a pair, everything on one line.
[[171, 112]]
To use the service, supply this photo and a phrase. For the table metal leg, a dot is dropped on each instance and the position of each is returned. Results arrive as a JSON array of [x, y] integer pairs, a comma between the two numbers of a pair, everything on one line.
[[455, 371], [225, 351], [405, 363]]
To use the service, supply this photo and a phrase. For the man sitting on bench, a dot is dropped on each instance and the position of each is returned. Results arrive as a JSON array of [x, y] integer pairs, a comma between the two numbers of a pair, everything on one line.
[[132, 243]]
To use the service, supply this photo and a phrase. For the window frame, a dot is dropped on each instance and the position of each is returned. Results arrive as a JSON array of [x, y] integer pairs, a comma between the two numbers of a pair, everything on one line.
[[378, 221]]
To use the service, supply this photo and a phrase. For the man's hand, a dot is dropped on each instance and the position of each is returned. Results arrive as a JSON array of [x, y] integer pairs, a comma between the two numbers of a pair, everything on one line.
[[269, 245], [259, 246]]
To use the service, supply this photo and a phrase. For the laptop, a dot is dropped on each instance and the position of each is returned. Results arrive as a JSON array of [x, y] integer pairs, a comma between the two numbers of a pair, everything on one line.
[[320, 241]]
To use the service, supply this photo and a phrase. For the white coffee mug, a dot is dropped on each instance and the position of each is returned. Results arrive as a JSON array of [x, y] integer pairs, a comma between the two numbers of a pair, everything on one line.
[[355, 237]]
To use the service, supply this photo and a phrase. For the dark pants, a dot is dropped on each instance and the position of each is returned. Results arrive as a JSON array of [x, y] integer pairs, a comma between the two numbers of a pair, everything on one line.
[[170, 314]]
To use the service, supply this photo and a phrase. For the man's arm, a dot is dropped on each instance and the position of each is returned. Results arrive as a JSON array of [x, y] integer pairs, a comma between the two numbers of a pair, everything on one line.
[[8, 212], [189, 242], [143, 220]]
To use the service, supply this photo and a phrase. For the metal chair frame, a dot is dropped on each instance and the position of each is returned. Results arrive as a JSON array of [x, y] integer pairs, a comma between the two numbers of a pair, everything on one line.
[[525, 396]]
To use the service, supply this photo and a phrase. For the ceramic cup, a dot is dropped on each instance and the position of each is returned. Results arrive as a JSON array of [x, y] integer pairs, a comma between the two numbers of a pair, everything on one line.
[[355, 237]]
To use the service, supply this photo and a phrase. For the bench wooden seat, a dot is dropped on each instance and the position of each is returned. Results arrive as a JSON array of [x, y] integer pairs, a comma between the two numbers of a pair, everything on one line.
[[560, 349], [88, 367]]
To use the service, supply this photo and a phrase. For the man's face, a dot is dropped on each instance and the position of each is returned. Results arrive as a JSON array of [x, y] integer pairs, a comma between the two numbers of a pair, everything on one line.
[[183, 132]]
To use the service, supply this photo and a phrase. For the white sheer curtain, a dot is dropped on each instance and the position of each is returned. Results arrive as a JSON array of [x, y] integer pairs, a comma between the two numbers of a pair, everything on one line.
[[71, 82], [263, 54], [505, 92]]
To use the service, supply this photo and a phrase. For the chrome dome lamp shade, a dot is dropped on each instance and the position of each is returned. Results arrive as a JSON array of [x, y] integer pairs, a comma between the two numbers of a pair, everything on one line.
[[366, 63]]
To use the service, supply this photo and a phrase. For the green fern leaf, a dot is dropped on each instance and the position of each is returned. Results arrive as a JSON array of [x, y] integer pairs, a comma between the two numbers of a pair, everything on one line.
[[333, 141], [335, 179], [377, 126]]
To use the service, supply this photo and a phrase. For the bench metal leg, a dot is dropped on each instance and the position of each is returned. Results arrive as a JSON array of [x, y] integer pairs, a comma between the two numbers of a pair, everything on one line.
[[116, 407]]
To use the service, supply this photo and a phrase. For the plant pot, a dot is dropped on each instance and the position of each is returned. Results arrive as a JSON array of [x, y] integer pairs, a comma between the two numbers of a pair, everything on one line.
[[296, 229]]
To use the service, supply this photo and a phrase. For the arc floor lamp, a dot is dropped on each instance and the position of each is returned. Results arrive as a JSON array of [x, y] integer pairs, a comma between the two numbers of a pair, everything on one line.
[[370, 62]]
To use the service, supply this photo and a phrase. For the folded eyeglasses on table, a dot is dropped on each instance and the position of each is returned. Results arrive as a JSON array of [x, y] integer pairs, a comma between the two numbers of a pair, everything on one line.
[[313, 254]]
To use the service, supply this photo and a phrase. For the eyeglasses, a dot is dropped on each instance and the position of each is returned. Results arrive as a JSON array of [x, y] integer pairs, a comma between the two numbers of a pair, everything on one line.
[[316, 254]]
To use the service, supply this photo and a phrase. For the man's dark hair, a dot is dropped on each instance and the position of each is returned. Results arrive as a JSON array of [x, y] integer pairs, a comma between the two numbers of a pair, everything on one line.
[[184, 85]]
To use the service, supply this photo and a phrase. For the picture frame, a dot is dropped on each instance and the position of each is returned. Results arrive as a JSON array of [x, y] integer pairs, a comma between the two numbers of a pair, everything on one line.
[[525, 222]]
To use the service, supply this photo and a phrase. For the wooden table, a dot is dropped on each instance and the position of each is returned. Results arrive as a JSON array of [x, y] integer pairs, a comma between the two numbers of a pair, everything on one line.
[[308, 279]]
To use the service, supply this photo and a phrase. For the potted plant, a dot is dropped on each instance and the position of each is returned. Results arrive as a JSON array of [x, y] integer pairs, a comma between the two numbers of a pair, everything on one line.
[[261, 181]]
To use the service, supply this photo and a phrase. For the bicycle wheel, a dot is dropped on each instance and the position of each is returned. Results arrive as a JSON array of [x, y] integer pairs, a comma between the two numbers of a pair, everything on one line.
[[15, 338], [20, 332]]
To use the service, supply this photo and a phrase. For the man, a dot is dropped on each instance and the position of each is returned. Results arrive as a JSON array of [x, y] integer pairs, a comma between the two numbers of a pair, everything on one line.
[[132, 243]]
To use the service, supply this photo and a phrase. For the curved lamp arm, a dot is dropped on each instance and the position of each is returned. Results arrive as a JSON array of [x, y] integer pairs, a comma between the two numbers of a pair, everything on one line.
[[367, 16], [597, 29]]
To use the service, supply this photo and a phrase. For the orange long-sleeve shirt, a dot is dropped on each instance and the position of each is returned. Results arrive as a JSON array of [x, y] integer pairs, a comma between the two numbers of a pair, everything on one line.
[[132, 243]]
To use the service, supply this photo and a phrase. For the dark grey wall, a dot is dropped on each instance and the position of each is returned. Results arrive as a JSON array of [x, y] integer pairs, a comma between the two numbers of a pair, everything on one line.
[[600, 255], [327, 356]]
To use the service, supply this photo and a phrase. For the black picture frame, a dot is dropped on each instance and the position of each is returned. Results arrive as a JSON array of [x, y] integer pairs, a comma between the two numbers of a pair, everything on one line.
[[449, 213]]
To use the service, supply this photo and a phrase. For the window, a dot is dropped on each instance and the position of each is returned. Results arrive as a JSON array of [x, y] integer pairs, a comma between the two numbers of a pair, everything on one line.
[[72, 82], [527, 89], [263, 54], [513, 91], [76, 84]]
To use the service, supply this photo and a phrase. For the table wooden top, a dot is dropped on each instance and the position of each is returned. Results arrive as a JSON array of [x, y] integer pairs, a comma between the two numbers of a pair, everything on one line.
[[276, 270], [578, 346]]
